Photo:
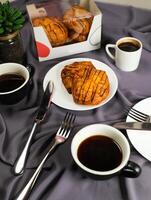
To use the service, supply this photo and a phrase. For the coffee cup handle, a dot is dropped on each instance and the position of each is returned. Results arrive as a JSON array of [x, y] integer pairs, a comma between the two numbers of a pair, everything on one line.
[[131, 170], [107, 47]]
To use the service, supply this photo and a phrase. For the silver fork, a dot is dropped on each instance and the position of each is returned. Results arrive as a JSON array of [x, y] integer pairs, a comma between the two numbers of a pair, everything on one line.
[[61, 136], [138, 116]]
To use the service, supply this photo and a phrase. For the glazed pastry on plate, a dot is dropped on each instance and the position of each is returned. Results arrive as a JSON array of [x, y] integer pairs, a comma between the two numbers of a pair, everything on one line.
[[76, 68], [88, 85]]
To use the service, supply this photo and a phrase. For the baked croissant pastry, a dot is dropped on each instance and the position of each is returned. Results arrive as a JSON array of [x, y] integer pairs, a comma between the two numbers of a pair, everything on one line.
[[79, 20], [76, 68], [56, 31], [87, 85], [91, 89], [77, 37]]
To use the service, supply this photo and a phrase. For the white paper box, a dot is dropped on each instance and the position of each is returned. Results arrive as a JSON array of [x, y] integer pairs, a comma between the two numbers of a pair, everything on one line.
[[47, 52]]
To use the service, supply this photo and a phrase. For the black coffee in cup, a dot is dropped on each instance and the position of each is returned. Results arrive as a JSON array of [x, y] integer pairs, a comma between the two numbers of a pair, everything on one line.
[[14, 83], [100, 153], [129, 46], [9, 82]]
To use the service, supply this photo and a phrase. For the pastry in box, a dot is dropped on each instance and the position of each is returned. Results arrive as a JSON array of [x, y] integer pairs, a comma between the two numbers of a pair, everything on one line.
[[63, 28]]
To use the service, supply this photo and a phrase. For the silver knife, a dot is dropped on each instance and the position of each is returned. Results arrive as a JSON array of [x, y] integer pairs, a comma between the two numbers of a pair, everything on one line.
[[41, 112], [133, 125]]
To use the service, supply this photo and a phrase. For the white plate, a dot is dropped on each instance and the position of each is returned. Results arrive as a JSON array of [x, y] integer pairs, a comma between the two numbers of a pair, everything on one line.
[[65, 100], [141, 140]]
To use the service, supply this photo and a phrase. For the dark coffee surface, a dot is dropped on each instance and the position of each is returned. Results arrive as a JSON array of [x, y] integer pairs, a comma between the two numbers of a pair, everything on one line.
[[128, 46], [100, 153], [10, 82]]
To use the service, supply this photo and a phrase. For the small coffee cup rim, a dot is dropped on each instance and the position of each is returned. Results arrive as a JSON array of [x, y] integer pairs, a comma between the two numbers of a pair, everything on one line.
[[94, 172], [124, 38], [24, 83]]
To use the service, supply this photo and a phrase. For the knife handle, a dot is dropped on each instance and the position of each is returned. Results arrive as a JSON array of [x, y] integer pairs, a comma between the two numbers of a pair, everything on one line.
[[45, 102], [20, 162], [25, 192]]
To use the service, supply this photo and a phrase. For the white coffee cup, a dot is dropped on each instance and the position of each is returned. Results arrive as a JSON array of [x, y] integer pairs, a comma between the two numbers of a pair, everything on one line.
[[125, 167], [127, 53]]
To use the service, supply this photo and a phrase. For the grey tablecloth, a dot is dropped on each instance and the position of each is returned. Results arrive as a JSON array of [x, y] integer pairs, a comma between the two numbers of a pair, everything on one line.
[[60, 178]]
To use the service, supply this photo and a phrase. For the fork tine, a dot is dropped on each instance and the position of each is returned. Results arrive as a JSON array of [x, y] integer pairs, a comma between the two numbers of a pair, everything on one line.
[[70, 125], [136, 115], [62, 124], [66, 125], [140, 113]]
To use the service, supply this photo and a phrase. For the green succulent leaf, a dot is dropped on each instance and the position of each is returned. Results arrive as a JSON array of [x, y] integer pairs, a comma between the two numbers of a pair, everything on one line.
[[17, 27], [8, 23], [1, 20], [9, 29], [11, 18], [1, 30], [11, 11], [1, 17], [17, 14], [19, 21]]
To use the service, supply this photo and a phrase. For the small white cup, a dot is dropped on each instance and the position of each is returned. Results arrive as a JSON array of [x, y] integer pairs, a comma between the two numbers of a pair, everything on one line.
[[126, 60], [126, 167]]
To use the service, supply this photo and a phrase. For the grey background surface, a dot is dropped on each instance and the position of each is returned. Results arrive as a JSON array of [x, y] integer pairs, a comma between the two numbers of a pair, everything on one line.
[[60, 178]]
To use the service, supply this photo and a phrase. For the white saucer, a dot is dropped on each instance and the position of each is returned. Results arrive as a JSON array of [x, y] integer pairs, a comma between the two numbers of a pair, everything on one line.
[[65, 100], [141, 139]]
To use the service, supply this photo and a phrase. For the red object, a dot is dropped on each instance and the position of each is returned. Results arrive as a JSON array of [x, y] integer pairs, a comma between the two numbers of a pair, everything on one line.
[[43, 50]]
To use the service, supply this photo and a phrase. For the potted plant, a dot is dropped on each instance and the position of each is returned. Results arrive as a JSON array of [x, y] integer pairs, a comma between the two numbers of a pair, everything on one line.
[[11, 21]]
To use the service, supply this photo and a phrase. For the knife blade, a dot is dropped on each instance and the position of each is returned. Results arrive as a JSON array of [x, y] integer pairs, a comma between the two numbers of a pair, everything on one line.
[[45, 102], [133, 125], [41, 112]]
